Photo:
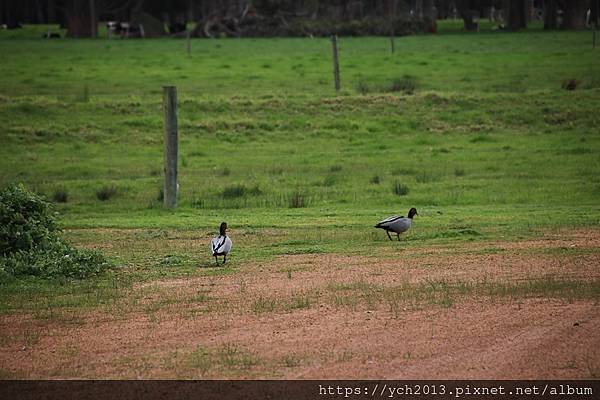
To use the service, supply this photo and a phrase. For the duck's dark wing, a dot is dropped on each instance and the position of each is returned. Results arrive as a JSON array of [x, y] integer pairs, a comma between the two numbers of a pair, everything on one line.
[[217, 243], [386, 222]]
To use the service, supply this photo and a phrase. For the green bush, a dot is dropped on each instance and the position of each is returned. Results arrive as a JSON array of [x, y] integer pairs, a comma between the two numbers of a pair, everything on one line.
[[30, 244], [26, 221]]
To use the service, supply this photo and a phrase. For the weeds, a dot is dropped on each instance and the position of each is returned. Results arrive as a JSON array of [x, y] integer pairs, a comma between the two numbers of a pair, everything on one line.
[[60, 195], [297, 200], [400, 189], [106, 193], [570, 84], [237, 191], [263, 305], [445, 294], [405, 85]]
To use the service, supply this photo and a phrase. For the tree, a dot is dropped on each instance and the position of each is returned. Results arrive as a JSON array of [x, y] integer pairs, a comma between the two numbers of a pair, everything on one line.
[[575, 12], [82, 16], [595, 10], [517, 14], [466, 9], [550, 14]]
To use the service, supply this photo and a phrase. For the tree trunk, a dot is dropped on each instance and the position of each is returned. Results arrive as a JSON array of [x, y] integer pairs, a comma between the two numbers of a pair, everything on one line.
[[594, 13], [77, 19], [517, 14], [39, 13], [93, 19], [550, 14], [419, 8], [575, 11], [530, 10], [430, 16], [466, 14], [51, 12]]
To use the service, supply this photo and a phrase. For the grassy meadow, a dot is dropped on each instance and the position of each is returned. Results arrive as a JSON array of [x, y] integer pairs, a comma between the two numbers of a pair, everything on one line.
[[477, 131]]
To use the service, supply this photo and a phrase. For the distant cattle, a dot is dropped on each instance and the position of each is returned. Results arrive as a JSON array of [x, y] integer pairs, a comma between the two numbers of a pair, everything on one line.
[[124, 29], [12, 25]]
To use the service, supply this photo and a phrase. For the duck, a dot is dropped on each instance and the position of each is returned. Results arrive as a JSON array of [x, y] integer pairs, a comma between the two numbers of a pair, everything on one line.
[[397, 224], [221, 245]]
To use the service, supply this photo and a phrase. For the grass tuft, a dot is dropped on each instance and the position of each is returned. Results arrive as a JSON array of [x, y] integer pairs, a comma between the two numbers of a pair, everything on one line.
[[570, 84], [237, 191], [400, 189], [105, 193], [297, 200], [60, 195], [405, 85]]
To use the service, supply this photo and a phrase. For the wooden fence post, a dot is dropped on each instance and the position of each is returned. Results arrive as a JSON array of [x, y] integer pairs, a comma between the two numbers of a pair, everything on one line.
[[171, 145], [336, 64]]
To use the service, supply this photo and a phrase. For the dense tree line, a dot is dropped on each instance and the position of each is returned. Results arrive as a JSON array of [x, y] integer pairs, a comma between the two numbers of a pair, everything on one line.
[[81, 16]]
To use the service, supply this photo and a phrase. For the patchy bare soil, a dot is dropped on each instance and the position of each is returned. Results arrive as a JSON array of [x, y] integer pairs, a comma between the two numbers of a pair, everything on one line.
[[440, 312]]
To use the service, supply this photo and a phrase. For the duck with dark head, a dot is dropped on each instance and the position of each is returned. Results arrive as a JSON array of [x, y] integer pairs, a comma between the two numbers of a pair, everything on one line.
[[221, 245], [397, 224]]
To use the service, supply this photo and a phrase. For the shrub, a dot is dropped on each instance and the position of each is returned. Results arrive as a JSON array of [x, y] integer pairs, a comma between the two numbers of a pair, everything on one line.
[[60, 196], [30, 244], [330, 180], [570, 84], [106, 192], [459, 171], [363, 87], [407, 85], [26, 221], [400, 189]]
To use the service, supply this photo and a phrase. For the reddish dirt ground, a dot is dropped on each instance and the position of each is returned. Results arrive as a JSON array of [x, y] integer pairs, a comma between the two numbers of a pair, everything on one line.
[[335, 316]]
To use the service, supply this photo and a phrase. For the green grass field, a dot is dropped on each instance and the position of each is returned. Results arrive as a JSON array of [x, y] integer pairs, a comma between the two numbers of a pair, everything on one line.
[[476, 127]]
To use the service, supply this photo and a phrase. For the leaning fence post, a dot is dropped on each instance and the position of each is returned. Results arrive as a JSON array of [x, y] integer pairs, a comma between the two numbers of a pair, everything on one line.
[[171, 150], [336, 64]]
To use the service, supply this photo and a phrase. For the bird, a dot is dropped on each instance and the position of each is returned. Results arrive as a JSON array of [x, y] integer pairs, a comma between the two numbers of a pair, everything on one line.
[[221, 245], [397, 224]]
